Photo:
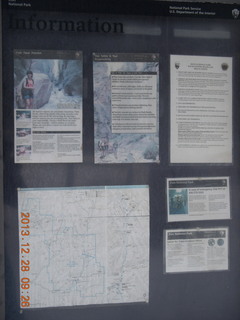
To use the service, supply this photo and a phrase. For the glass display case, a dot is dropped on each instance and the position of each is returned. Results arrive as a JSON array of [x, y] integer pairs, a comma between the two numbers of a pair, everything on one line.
[[120, 160]]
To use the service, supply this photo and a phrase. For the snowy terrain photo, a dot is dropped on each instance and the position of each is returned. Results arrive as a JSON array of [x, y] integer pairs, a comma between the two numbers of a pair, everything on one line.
[[126, 111]]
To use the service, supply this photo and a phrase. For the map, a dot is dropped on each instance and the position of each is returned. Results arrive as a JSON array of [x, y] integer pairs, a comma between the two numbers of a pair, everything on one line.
[[81, 246]]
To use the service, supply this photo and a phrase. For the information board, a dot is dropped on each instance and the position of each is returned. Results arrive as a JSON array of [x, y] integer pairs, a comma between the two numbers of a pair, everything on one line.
[[120, 143]]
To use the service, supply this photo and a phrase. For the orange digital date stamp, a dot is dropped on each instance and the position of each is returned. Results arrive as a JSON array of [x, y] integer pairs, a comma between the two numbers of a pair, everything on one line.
[[25, 283]]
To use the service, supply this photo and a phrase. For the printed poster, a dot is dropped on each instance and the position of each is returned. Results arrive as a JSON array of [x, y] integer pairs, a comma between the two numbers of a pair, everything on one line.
[[194, 250], [126, 107], [191, 199], [48, 106], [201, 109]]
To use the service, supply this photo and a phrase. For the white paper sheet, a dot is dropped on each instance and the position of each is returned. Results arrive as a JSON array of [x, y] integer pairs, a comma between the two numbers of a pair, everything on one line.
[[189, 250], [201, 109], [191, 199]]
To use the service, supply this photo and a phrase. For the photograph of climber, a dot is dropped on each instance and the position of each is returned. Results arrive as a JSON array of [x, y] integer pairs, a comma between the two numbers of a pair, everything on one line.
[[48, 82]]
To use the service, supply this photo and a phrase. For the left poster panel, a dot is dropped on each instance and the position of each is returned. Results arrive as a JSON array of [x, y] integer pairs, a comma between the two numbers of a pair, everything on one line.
[[48, 106]]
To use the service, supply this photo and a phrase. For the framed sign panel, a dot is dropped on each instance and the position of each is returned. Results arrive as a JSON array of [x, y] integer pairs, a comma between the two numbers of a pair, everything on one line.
[[48, 106], [196, 250], [120, 160], [198, 199]]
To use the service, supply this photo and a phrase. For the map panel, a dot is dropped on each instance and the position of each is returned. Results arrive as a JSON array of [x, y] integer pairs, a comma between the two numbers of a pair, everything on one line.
[[81, 246]]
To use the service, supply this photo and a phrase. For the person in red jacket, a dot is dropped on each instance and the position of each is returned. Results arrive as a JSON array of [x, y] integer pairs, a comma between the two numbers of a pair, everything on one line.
[[27, 90]]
